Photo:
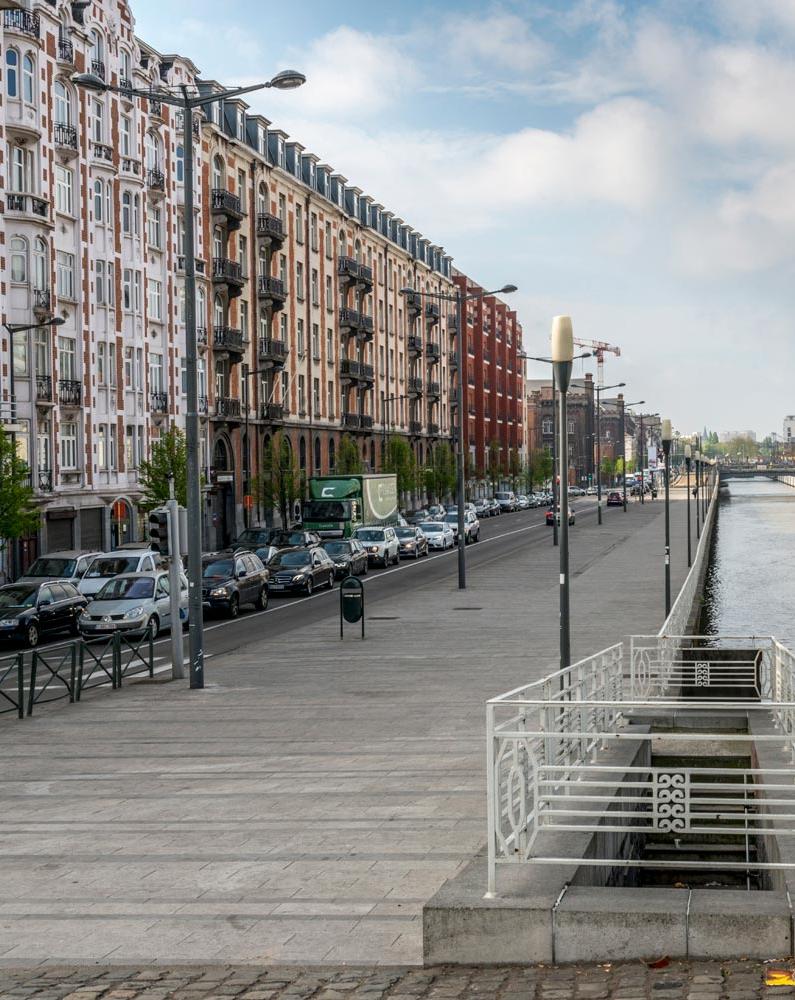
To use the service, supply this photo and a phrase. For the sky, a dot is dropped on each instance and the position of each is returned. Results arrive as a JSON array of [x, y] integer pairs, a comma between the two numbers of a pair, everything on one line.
[[629, 163]]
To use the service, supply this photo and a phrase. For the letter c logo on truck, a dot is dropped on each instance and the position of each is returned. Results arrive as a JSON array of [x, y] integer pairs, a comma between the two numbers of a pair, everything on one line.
[[328, 491]]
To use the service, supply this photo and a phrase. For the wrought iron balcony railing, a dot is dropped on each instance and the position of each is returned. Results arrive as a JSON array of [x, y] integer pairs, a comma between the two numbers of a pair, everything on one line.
[[70, 392]]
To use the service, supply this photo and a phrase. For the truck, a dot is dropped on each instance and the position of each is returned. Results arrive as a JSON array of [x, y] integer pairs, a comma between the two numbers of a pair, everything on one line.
[[338, 505]]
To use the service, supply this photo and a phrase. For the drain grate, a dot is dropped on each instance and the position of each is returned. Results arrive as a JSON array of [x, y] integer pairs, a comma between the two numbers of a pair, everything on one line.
[[467, 609]]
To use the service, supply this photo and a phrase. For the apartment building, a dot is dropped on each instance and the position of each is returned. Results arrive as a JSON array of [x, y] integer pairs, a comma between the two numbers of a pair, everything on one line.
[[305, 324]]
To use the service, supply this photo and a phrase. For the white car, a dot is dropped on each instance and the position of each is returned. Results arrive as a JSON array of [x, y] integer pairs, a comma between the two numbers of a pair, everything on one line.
[[105, 567], [133, 603], [381, 545], [439, 534]]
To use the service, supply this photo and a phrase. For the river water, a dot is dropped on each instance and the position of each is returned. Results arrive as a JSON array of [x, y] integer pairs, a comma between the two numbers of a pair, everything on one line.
[[750, 587]]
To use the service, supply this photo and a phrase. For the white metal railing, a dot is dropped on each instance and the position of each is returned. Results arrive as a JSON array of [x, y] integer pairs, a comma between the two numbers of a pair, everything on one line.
[[552, 744]]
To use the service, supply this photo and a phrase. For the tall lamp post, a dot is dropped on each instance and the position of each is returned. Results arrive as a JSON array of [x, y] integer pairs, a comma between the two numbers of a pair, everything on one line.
[[181, 97], [599, 389], [624, 406], [697, 457], [562, 358], [458, 299], [666, 438], [688, 459]]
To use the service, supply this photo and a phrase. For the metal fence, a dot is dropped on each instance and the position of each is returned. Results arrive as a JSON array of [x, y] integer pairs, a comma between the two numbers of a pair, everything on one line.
[[572, 754], [66, 670]]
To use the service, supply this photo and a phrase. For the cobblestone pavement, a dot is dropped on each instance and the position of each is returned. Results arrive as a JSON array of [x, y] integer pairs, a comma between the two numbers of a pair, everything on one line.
[[625, 981]]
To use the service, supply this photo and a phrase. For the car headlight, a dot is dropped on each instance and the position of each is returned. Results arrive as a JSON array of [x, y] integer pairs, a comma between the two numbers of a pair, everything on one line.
[[373, 548], [134, 613], [219, 592], [299, 577], [8, 623], [409, 545], [84, 613]]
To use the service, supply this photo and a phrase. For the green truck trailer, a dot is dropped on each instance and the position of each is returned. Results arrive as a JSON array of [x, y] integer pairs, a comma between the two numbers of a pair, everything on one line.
[[338, 505]]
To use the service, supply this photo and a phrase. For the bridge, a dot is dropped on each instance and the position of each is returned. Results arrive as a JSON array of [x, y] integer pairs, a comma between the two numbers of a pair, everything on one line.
[[780, 473]]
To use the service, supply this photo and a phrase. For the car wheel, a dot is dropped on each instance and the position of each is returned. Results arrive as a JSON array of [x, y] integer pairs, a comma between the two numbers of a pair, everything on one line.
[[234, 606], [365, 568], [262, 600], [32, 635], [310, 586], [153, 623]]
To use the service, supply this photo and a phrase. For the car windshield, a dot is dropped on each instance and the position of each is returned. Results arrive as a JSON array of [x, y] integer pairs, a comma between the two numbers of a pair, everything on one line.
[[219, 568], [127, 588], [327, 510], [290, 559], [47, 566], [451, 518], [432, 527], [255, 536], [337, 548], [111, 566], [370, 534], [18, 597], [405, 532]]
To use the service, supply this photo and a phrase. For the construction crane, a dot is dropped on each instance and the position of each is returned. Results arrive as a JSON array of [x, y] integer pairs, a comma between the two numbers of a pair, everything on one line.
[[599, 348]]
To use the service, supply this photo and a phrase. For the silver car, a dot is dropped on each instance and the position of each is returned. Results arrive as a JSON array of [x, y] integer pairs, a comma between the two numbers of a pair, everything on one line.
[[67, 566], [133, 603], [439, 534], [111, 564], [381, 544]]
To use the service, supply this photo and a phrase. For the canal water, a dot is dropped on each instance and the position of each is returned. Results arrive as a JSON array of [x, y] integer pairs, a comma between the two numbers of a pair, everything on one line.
[[750, 586]]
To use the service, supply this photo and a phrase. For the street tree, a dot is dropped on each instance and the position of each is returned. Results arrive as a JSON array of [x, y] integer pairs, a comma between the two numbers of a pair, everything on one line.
[[400, 460], [168, 457], [495, 467], [18, 513], [440, 473], [515, 468], [279, 483], [349, 461]]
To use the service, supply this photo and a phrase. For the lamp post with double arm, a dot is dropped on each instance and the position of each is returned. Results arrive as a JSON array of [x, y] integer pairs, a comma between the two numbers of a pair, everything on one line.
[[182, 97], [598, 390], [458, 299]]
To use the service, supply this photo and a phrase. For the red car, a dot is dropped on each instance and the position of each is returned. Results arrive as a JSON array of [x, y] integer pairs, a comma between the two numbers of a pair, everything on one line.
[[614, 499]]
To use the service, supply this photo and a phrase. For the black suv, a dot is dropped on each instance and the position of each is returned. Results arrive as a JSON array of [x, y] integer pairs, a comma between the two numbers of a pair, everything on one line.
[[232, 578]]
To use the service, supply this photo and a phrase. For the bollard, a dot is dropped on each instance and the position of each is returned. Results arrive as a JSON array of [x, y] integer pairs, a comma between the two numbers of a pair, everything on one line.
[[351, 603]]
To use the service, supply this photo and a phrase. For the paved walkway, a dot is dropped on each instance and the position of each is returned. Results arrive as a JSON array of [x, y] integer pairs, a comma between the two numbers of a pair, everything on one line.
[[305, 805]]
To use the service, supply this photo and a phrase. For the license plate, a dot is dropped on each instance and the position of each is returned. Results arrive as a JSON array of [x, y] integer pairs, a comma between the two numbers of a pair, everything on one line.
[[278, 586]]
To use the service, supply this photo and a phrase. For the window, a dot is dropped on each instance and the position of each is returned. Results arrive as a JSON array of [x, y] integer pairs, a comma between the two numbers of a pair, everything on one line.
[[180, 164], [112, 374], [125, 71], [126, 289], [154, 227], [125, 134], [315, 342], [262, 200], [299, 224], [19, 260], [300, 337], [282, 207], [155, 299], [299, 281], [65, 274], [136, 215], [313, 230], [301, 395], [152, 151], [283, 327], [244, 319], [330, 345], [129, 446], [241, 189], [139, 368], [218, 172], [242, 253], [283, 268], [68, 438], [328, 241], [330, 399], [67, 357], [22, 169], [102, 363], [315, 287], [97, 121], [64, 201], [41, 264], [218, 312], [156, 372], [316, 396], [41, 351], [137, 292], [12, 73], [329, 294], [28, 76], [63, 106], [99, 201], [114, 447], [126, 213], [317, 454], [128, 368], [285, 389], [104, 283]]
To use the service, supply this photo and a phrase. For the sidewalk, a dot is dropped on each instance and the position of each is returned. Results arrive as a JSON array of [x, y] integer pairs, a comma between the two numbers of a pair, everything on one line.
[[303, 806]]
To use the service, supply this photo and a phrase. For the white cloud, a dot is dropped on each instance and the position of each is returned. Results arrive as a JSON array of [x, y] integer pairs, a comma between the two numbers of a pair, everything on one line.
[[491, 44]]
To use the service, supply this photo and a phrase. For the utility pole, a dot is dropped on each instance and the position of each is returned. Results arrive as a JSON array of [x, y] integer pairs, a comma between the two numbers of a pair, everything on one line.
[[174, 585]]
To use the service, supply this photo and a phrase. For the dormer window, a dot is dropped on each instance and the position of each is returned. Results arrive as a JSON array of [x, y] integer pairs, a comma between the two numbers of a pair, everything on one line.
[[281, 156], [241, 125], [262, 142], [216, 113]]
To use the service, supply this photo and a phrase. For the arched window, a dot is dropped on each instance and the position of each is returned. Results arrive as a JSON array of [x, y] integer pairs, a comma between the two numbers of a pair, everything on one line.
[[98, 201], [125, 67], [343, 245], [41, 270], [19, 259], [317, 455], [332, 455], [126, 212], [98, 53], [358, 251], [136, 220], [180, 164], [12, 73], [152, 150], [262, 200], [218, 172], [63, 106], [302, 452], [218, 312], [201, 306], [28, 75]]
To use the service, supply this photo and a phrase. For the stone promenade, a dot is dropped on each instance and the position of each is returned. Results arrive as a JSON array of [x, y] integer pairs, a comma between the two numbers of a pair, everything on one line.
[[306, 803]]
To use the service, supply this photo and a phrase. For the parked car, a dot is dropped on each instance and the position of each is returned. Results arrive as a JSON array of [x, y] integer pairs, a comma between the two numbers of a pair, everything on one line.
[[301, 570], [523, 502], [68, 566], [576, 491], [507, 500], [436, 512], [471, 526], [417, 516], [232, 578], [494, 507], [482, 508], [348, 555], [614, 499], [556, 516], [105, 567], [412, 542], [591, 491], [30, 610], [381, 544], [133, 603], [439, 535], [451, 518]]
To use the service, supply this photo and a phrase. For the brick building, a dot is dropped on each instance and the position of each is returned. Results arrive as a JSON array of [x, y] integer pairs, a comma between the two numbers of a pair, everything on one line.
[[541, 422]]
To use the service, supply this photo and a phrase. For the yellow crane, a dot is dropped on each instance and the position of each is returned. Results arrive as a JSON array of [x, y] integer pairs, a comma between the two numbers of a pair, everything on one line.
[[599, 348]]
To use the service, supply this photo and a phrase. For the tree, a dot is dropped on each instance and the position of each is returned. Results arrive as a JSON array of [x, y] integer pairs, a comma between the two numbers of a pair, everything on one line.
[[606, 468], [279, 483], [619, 466], [494, 470], [440, 474], [400, 459], [540, 467], [349, 461], [168, 456], [18, 513], [514, 468]]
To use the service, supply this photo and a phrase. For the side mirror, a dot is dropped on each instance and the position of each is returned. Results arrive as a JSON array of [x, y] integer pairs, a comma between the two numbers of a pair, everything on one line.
[[44, 604], [240, 574]]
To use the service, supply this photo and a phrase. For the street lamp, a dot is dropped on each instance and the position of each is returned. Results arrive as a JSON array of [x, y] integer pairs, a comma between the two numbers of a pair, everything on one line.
[[624, 406], [181, 98], [562, 358], [548, 361], [599, 389], [459, 300], [697, 458], [666, 437], [688, 458]]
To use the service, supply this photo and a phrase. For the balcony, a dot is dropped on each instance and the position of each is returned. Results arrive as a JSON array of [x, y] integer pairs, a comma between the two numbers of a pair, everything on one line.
[[356, 371], [98, 68], [230, 273], [158, 402], [25, 22], [365, 280], [44, 389], [452, 323], [156, 181], [66, 52], [28, 204], [44, 480], [179, 122], [202, 406], [101, 151], [130, 166], [433, 353], [365, 422], [415, 427], [433, 430], [270, 228], [414, 303], [452, 360], [227, 206], [227, 408], [414, 345], [415, 387], [65, 138], [226, 338], [349, 319], [42, 302], [273, 351], [366, 327], [70, 392], [272, 412], [432, 313], [347, 269], [433, 390], [201, 336], [271, 290], [198, 265]]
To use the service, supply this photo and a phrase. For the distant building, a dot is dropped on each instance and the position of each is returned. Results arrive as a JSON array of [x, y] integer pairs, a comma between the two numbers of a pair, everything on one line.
[[789, 429]]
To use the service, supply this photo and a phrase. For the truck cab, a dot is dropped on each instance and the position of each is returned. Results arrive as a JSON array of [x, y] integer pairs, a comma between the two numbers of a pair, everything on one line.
[[338, 505]]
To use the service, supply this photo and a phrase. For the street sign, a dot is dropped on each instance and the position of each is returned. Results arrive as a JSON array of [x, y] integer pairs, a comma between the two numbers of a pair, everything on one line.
[[248, 501]]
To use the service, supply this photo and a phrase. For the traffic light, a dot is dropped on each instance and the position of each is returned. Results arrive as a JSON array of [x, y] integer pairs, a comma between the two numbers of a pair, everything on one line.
[[158, 531]]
